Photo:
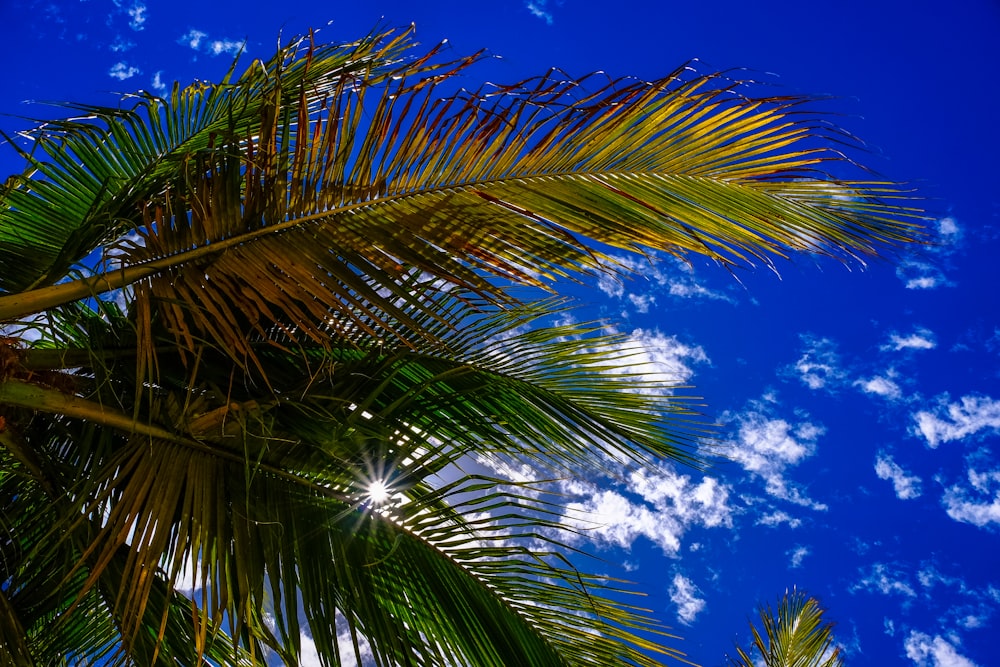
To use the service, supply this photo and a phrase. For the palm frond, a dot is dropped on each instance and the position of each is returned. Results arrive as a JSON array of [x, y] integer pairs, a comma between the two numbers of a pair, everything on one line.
[[793, 635], [89, 177], [297, 200], [257, 482], [317, 261], [53, 618]]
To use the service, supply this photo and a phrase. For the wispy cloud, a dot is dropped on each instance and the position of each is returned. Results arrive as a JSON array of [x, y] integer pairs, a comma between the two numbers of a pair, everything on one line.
[[920, 339], [642, 302], [880, 385], [122, 71], [656, 360], [885, 579], [219, 46], [157, 83], [767, 446], [930, 577], [979, 502], [684, 594], [137, 16], [538, 8], [611, 285], [192, 38], [120, 45], [949, 233], [653, 277], [198, 40], [927, 271], [778, 518], [936, 651], [957, 420], [917, 274], [819, 367], [968, 606], [682, 282], [906, 486], [348, 654], [797, 555], [956, 603]]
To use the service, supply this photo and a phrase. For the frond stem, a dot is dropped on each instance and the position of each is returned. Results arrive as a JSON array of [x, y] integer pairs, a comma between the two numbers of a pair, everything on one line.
[[23, 304], [53, 401]]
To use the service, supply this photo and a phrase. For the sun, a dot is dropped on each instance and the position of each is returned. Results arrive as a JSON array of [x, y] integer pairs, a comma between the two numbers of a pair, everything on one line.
[[378, 492]]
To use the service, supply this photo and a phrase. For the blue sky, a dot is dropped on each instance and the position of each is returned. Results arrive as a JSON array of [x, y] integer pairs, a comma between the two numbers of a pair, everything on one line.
[[859, 409]]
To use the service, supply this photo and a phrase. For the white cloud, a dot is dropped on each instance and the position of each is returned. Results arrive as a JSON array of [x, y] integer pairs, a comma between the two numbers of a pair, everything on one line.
[[122, 71], [955, 421], [973, 621], [917, 274], [609, 517], [198, 40], [797, 555], [927, 651], [929, 577], [885, 580], [157, 83], [689, 289], [684, 594], [349, 658], [642, 302], [978, 504], [219, 46], [120, 45], [954, 602], [982, 482], [880, 385], [769, 445], [949, 232], [656, 358], [27, 329], [189, 579], [819, 365], [766, 446], [192, 38], [537, 8], [672, 276], [309, 655], [660, 505], [920, 339], [682, 283], [704, 503], [137, 14], [927, 272], [906, 486], [515, 471], [777, 518], [611, 285]]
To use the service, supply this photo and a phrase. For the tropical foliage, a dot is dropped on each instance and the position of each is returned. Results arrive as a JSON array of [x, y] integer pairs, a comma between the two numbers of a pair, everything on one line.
[[262, 333], [793, 635]]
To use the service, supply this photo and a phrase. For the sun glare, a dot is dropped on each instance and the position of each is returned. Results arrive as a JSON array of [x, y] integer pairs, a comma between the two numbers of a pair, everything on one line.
[[378, 492]]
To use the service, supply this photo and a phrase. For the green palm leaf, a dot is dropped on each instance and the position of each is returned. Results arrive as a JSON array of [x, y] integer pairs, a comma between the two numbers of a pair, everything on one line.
[[51, 617], [317, 262], [89, 178], [263, 484], [305, 194], [793, 635]]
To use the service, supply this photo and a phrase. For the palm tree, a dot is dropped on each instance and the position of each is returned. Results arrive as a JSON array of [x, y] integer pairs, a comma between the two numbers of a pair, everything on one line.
[[260, 332], [793, 635]]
